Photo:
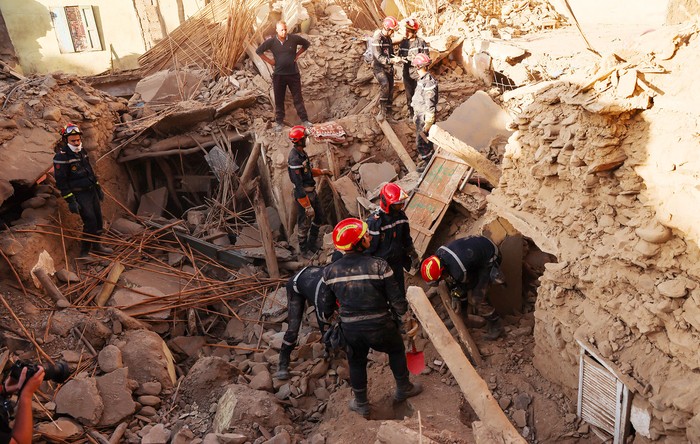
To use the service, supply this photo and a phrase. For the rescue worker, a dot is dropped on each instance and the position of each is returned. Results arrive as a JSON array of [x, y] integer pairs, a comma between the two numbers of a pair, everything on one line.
[[424, 105], [285, 49], [383, 60], [469, 264], [310, 213], [391, 234], [371, 306], [409, 48], [78, 184], [305, 286]]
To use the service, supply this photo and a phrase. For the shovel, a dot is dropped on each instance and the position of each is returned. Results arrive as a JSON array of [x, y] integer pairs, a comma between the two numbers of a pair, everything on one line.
[[414, 359]]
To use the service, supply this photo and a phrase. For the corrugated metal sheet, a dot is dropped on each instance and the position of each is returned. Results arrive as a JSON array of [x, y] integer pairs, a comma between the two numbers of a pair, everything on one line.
[[432, 196]]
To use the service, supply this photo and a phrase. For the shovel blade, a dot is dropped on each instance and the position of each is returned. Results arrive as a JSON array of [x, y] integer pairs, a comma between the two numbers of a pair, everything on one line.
[[415, 361]]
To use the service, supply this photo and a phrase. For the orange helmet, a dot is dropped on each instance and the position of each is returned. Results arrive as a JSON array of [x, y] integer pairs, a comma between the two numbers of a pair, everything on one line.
[[421, 60], [297, 133], [348, 232], [431, 269], [69, 130], [412, 24], [390, 23], [391, 194]]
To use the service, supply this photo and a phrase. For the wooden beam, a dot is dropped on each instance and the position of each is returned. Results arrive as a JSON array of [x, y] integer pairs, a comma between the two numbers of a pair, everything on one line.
[[475, 389], [259, 63], [266, 236], [462, 330], [251, 166], [470, 155], [50, 288], [109, 284], [396, 144]]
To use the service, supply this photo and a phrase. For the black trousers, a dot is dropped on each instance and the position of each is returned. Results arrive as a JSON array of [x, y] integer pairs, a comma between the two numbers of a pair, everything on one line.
[[397, 268], [423, 146], [90, 213], [380, 335], [280, 83], [309, 228], [409, 85], [385, 77], [295, 312]]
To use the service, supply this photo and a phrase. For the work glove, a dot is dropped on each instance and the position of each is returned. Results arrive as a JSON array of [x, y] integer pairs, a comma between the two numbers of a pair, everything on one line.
[[328, 173], [457, 299], [395, 59], [429, 120], [309, 211], [415, 260], [100, 193], [73, 205], [410, 326]]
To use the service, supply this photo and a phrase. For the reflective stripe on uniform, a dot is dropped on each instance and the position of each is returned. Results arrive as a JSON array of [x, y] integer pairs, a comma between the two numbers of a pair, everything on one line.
[[296, 277], [459, 262], [360, 277], [392, 225], [350, 319], [316, 293], [295, 167], [63, 162]]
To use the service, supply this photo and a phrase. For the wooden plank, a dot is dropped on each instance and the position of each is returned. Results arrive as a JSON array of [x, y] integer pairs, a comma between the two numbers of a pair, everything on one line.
[[266, 235], [396, 144], [475, 389], [109, 284], [462, 330], [263, 68], [468, 154]]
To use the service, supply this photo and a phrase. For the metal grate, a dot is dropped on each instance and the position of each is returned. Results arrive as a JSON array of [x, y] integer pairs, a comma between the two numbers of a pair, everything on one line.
[[603, 400]]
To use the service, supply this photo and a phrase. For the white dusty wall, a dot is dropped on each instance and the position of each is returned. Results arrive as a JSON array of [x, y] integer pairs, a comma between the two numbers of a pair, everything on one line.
[[36, 44], [626, 239]]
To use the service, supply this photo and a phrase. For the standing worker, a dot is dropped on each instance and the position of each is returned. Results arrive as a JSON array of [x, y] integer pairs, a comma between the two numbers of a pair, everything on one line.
[[78, 185], [383, 60], [469, 264], [305, 286], [391, 234], [424, 105], [309, 210], [285, 52], [370, 306], [409, 48]]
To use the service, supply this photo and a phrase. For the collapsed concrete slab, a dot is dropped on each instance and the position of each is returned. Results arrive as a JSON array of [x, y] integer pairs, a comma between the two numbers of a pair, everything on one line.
[[241, 407]]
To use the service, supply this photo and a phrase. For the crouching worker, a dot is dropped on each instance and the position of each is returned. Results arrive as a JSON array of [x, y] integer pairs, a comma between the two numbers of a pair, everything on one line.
[[309, 210], [21, 432], [306, 286], [78, 184], [469, 264], [370, 306]]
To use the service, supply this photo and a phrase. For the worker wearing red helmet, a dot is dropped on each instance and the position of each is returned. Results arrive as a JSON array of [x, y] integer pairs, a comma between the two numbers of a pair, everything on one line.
[[383, 60], [424, 103], [409, 48], [391, 234], [78, 184], [370, 305], [310, 212], [469, 265]]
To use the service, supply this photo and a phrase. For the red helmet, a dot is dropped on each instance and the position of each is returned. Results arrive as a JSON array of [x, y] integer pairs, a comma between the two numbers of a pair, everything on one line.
[[412, 24], [390, 23], [297, 133], [391, 194], [431, 269], [421, 60], [70, 130], [348, 233]]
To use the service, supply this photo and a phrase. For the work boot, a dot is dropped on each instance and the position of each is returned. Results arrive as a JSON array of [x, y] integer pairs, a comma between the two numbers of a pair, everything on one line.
[[101, 249], [282, 372], [278, 127], [85, 247], [405, 390], [359, 403], [494, 329], [308, 124], [389, 115]]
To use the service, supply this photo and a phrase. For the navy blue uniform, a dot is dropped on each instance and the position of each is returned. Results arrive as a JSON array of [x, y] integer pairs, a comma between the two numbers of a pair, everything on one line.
[[305, 287], [76, 178], [391, 240], [370, 305], [424, 104], [408, 50], [302, 176]]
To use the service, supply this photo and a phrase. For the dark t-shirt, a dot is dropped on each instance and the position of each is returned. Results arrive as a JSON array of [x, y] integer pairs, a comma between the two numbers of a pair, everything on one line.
[[284, 53]]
